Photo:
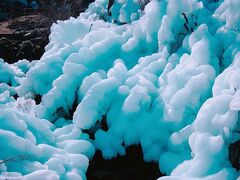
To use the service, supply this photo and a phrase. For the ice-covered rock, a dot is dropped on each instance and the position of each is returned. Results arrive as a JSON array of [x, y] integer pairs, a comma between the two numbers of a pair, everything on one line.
[[165, 77]]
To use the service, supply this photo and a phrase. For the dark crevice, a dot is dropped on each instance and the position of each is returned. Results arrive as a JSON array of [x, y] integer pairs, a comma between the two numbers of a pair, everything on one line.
[[234, 154], [189, 25], [98, 125], [131, 166], [234, 148], [15, 96], [103, 123], [38, 99], [73, 109]]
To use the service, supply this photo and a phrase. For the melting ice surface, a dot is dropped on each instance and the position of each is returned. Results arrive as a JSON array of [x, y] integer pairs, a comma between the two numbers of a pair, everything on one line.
[[166, 77]]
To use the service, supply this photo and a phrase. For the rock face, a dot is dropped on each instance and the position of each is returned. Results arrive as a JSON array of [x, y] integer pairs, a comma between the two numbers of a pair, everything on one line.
[[24, 38], [70, 7], [24, 31]]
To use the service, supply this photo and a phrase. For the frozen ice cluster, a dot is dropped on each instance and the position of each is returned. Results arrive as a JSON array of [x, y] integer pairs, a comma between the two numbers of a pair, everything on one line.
[[165, 76]]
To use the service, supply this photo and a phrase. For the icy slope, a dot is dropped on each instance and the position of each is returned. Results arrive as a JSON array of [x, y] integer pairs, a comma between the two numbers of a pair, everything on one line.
[[166, 77]]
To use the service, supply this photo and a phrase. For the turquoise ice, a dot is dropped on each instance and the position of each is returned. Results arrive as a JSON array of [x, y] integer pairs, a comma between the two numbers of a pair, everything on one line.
[[165, 76]]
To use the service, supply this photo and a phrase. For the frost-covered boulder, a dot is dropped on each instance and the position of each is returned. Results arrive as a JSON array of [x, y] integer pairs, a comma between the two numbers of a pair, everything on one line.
[[32, 142], [216, 119]]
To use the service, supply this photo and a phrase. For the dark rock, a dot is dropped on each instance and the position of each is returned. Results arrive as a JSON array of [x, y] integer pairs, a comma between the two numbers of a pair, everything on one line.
[[26, 34], [38, 51], [26, 40]]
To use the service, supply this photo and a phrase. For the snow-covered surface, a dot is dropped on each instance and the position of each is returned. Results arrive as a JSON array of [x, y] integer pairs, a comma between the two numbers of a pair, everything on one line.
[[167, 78]]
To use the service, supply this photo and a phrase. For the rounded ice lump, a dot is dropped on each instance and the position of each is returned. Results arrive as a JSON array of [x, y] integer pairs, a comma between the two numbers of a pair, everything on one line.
[[163, 75]]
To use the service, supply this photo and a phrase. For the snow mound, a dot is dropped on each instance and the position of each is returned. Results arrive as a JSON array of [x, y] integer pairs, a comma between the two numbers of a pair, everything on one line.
[[164, 75]]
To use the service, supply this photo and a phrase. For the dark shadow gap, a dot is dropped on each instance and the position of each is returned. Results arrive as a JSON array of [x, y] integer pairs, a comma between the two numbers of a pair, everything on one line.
[[131, 166], [234, 154]]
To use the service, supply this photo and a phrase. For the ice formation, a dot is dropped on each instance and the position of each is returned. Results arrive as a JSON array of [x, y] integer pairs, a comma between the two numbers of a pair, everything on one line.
[[165, 76]]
